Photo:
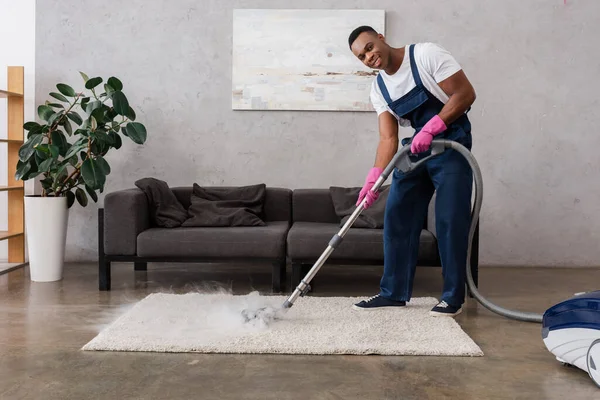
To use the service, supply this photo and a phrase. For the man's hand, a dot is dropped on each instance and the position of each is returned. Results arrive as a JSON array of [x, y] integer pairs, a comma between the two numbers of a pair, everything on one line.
[[372, 177], [422, 140], [388, 146], [461, 96]]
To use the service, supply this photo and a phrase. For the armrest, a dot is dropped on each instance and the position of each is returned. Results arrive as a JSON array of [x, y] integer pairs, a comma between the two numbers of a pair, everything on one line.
[[126, 214]]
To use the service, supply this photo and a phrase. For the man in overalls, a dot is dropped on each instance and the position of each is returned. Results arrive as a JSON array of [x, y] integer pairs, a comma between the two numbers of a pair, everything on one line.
[[421, 86]]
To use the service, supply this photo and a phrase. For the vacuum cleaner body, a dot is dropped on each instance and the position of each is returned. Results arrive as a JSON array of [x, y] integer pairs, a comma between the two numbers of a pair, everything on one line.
[[571, 331]]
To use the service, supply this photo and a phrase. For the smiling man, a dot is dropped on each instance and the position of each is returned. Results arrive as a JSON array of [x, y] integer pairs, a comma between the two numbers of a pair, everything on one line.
[[420, 86]]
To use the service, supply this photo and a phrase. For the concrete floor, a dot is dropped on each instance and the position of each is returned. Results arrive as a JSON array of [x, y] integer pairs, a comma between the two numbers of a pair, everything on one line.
[[43, 327]]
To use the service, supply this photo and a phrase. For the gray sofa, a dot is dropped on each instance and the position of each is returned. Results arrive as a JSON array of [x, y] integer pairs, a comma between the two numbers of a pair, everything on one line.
[[299, 226], [126, 234]]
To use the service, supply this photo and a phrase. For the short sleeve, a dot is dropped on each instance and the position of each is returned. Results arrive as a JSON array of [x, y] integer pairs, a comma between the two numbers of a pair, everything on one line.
[[438, 62], [377, 99]]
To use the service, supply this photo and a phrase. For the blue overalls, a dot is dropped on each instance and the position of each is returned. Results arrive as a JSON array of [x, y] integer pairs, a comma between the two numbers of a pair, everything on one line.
[[450, 175]]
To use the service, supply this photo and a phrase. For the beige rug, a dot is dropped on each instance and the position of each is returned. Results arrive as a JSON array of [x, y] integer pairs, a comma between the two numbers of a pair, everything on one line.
[[213, 323]]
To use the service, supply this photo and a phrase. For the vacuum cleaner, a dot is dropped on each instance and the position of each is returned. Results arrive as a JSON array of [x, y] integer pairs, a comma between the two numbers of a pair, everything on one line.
[[570, 329]]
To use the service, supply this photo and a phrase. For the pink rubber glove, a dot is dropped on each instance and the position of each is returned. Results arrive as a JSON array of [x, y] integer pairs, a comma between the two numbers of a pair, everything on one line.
[[423, 139], [372, 177]]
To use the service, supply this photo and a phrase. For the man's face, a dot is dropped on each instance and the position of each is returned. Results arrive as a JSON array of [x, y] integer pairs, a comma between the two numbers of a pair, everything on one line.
[[371, 50]]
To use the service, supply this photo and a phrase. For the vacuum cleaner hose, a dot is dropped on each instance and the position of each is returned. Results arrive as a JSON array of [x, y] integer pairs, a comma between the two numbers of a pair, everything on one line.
[[478, 188], [402, 161]]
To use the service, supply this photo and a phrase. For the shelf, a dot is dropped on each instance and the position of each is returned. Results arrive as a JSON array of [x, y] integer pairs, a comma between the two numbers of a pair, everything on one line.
[[15, 111], [7, 188], [6, 93], [6, 267], [7, 234]]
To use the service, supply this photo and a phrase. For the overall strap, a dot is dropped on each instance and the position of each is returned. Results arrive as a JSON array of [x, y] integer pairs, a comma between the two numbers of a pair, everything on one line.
[[413, 66], [383, 89]]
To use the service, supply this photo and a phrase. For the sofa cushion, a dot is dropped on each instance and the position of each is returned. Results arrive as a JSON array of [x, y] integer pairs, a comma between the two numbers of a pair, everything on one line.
[[344, 201], [308, 240], [215, 242], [226, 207], [165, 210]]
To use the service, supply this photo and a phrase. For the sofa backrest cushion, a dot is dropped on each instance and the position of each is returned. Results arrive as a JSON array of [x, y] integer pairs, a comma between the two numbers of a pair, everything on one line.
[[313, 205], [277, 207], [316, 205]]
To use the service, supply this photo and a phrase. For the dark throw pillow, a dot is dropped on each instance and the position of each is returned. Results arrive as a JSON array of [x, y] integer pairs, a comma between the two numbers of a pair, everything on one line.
[[165, 210], [344, 202], [222, 206]]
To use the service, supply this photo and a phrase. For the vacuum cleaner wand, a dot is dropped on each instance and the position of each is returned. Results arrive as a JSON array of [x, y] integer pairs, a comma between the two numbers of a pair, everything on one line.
[[402, 160]]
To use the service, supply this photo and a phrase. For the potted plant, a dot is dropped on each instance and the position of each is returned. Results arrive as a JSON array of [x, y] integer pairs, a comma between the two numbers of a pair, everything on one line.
[[67, 150]]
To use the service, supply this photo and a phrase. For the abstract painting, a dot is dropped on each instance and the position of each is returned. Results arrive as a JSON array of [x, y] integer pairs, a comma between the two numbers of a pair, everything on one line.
[[300, 60]]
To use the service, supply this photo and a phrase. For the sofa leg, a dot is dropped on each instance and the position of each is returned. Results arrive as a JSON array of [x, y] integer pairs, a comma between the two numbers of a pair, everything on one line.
[[140, 266], [278, 276], [299, 271], [104, 274], [103, 265], [305, 269], [296, 275]]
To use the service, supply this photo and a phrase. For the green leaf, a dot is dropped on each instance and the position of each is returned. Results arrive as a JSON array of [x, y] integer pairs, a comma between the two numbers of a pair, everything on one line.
[[116, 141], [32, 173], [109, 89], [93, 82], [66, 90], [28, 148], [120, 103], [90, 107], [30, 126], [70, 199], [55, 117], [43, 150], [115, 83], [102, 163], [94, 123], [115, 126], [75, 149], [45, 112], [45, 166], [81, 197], [83, 155], [84, 102], [60, 141], [92, 174], [67, 124], [55, 105], [54, 151], [111, 113], [59, 96], [84, 76], [136, 132], [73, 116], [47, 184], [61, 174], [92, 193], [22, 169], [73, 160], [98, 114], [130, 114]]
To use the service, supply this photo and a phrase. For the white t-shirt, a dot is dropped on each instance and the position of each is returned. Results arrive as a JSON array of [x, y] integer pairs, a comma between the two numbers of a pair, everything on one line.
[[434, 64]]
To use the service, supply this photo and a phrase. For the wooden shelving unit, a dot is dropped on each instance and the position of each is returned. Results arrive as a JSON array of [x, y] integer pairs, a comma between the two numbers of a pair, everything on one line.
[[15, 235]]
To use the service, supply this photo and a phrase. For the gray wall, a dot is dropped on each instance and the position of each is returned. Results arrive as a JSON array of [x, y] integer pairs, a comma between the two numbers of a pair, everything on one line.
[[533, 63]]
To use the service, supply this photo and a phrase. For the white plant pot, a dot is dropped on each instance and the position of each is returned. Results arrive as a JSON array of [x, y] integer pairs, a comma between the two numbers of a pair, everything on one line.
[[46, 220]]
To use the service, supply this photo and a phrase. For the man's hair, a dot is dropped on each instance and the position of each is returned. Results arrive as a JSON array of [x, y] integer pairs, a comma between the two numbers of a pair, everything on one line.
[[356, 32]]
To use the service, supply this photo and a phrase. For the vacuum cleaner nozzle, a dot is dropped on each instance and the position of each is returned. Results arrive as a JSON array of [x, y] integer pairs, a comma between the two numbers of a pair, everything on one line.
[[265, 315]]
